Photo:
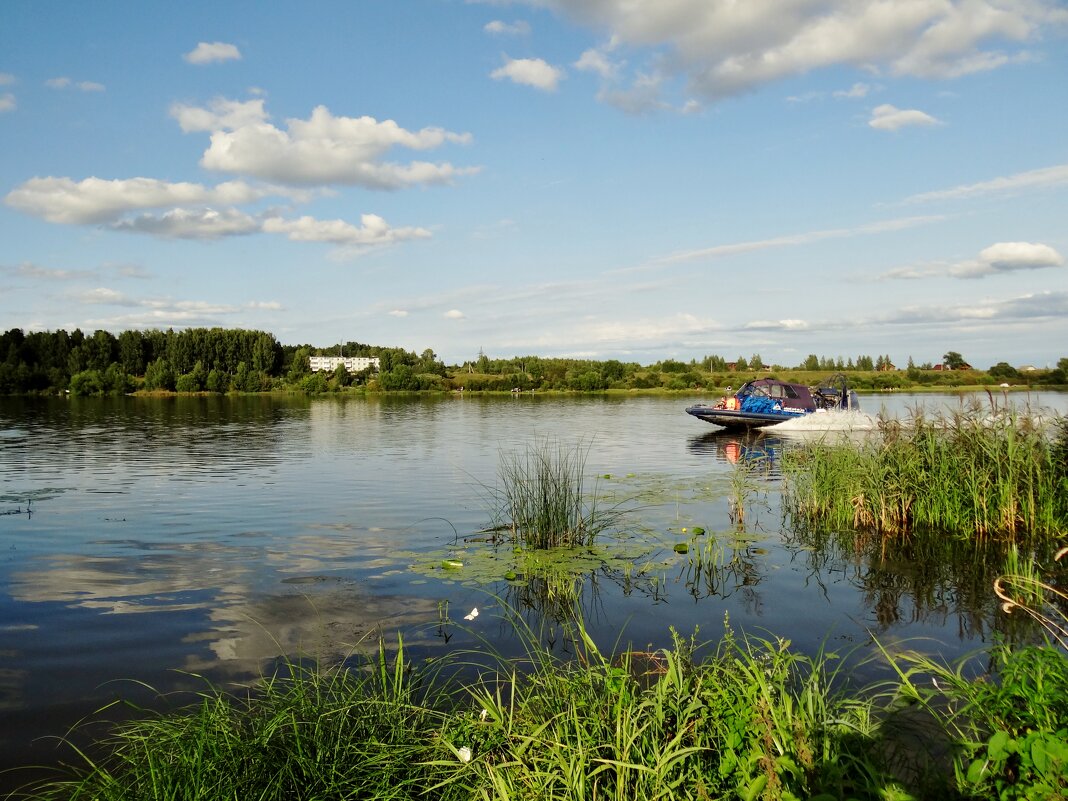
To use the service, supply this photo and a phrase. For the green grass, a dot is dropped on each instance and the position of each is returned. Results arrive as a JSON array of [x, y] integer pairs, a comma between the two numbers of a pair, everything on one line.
[[978, 471], [305, 733], [1004, 734], [747, 718]]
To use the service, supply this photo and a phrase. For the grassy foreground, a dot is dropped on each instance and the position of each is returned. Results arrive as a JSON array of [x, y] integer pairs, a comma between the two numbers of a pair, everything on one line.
[[752, 719]]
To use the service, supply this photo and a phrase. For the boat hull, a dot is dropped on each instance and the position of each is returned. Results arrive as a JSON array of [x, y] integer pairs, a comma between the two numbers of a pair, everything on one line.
[[737, 419]]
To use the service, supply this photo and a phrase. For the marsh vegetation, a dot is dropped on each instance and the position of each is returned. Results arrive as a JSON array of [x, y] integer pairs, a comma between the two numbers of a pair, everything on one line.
[[982, 471], [542, 500]]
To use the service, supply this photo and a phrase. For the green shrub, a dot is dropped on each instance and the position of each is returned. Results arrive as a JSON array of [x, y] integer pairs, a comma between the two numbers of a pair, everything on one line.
[[87, 382]]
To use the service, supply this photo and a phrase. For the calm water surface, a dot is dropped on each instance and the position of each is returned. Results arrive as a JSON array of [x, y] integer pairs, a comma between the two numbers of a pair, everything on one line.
[[169, 536]]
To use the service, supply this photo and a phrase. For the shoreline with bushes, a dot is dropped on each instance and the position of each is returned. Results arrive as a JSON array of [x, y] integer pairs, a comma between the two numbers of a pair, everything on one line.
[[219, 361]]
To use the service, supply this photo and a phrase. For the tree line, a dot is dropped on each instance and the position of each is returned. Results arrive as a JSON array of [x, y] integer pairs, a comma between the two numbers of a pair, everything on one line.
[[189, 360], [225, 360]]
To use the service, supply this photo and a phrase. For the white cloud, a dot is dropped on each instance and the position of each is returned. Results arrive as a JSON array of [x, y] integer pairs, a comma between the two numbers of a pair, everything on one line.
[[723, 47], [454, 314], [106, 296], [597, 334], [642, 96], [776, 325], [398, 313], [129, 270], [596, 60], [96, 200], [373, 230], [1025, 308], [7, 102], [66, 83], [997, 259], [323, 149], [212, 52], [265, 305], [912, 272], [221, 114], [806, 238], [1032, 179], [890, 118], [6, 79], [857, 90], [529, 72], [36, 271], [1008, 257], [191, 211], [807, 97], [499, 28], [163, 313], [185, 223]]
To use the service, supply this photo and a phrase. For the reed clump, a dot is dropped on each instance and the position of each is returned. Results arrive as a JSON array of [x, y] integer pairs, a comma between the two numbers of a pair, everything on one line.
[[985, 472], [541, 497]]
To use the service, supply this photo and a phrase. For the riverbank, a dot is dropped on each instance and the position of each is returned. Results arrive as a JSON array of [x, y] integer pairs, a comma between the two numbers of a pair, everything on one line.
[[748, 718]]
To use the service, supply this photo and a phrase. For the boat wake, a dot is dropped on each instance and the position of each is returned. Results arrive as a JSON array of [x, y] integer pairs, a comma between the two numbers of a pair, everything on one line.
[[821, 420]]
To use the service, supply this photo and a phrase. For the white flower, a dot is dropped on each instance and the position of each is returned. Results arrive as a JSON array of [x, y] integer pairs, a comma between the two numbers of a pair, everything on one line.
[[483, 714], [472, 615], [464, 754]]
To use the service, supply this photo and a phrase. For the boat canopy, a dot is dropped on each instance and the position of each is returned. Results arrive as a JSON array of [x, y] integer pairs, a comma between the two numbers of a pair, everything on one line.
[[794, 396]]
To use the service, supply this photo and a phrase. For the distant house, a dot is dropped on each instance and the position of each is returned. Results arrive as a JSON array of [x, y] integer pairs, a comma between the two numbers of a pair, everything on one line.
[[354, 364], [887, 367], [1028, 368], [733, 367], [939, 367]]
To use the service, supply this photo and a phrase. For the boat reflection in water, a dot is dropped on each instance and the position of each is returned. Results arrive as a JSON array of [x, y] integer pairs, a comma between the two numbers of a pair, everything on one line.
[[752, 448]]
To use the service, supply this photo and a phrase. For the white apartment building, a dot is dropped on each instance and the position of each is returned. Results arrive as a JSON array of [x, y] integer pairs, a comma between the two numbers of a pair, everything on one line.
[[354, 364]]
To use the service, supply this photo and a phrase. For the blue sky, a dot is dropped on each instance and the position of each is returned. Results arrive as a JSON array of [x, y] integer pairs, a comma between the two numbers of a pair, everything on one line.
[[633, 179]]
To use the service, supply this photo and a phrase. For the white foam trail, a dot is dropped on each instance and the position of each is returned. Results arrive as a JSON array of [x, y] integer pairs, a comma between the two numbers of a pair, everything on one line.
[[823, 420]]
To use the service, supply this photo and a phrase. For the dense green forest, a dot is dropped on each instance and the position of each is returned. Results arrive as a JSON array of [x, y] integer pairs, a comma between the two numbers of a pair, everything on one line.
[[191, 360], [236, 360]]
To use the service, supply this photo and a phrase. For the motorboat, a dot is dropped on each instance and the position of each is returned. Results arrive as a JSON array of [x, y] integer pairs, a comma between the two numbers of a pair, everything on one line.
[[769, 401]]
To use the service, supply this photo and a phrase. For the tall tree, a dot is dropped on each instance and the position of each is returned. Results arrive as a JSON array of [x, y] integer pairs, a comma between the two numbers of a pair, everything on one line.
[[953, 360]]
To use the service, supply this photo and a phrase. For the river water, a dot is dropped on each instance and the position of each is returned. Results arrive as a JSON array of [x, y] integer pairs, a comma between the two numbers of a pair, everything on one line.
[[143, 540]]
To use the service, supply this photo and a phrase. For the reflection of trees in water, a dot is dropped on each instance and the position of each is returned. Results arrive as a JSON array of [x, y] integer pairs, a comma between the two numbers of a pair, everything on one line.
[[113, 434], [926, 578]]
